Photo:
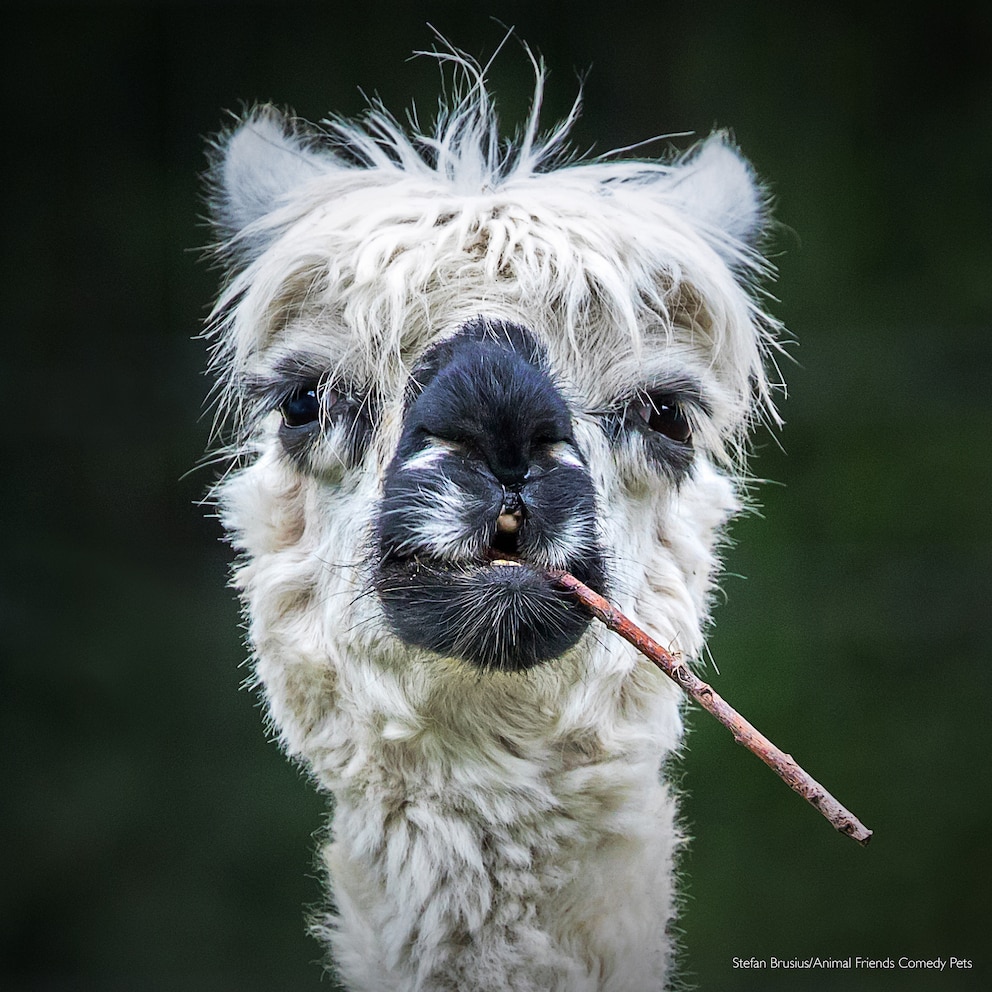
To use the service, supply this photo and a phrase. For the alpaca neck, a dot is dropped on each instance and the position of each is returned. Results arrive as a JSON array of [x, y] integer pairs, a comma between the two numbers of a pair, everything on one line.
[[493, 865]]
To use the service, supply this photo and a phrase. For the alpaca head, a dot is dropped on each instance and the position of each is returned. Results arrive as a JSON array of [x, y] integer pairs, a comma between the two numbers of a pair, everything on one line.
[[439, 349]]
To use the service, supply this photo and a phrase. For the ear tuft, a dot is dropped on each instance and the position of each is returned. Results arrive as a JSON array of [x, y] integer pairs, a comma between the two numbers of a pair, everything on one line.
[[256, 164], [716, 185]]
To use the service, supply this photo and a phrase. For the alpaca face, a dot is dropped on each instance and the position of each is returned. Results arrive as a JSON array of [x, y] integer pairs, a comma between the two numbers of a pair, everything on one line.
[[436, 363], [450, 366]]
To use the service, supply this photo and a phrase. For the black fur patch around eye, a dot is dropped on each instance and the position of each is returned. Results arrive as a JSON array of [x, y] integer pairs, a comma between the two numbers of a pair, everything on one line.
[[661, 417], [313, 409]]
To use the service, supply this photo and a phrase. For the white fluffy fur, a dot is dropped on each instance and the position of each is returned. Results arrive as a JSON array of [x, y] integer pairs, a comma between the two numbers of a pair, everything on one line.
[[503, 831]]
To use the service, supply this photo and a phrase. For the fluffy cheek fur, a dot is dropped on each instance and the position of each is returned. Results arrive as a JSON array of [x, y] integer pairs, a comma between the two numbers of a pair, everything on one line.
[[305, 587]]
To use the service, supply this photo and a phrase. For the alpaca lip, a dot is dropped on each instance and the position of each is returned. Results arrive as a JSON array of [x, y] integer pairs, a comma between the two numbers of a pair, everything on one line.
[[492, 610]]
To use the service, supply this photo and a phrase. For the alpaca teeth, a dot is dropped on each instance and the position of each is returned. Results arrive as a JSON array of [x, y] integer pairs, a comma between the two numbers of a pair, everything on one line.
[[508, 523], [504, 561]]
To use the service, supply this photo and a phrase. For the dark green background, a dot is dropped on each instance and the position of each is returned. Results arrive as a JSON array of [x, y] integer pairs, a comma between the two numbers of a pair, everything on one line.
[[151, 837]]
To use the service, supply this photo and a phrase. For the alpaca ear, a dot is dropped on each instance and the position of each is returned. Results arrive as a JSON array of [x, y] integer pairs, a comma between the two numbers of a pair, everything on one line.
[[255, 166], [716, 186]]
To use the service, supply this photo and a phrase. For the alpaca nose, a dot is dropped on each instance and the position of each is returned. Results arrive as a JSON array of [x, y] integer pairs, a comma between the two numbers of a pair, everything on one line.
[[508, 458], [516, 451]]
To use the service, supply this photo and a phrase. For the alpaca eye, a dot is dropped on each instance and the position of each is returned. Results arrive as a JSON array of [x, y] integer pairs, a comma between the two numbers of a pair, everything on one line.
[[319, 418], [301, 409], [663, 415]]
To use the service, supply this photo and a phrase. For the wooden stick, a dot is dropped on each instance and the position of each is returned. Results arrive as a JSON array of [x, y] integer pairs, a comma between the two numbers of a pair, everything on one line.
[[781, 763]]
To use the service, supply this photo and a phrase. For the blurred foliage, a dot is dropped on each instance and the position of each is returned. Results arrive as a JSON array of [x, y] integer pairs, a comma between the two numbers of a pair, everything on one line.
[[152, 837]]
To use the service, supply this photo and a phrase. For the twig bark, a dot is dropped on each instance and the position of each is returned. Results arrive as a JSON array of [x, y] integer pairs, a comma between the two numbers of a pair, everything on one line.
[[744, 733]]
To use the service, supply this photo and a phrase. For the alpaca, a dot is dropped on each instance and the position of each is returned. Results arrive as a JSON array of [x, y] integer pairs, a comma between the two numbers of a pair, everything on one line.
[[435, 348]]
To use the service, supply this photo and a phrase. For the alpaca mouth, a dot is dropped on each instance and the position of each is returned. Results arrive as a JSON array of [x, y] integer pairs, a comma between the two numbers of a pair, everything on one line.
[[495, 610], [462, 562], [506, 542]]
